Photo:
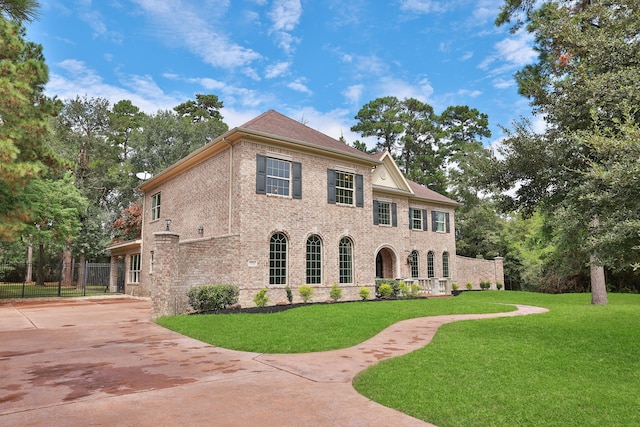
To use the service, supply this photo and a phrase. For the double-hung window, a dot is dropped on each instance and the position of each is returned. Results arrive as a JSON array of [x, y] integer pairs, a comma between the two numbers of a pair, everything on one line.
[[345, 188], [155, 207], [440, 222], [278, 177], [417, 219], [385, 213]]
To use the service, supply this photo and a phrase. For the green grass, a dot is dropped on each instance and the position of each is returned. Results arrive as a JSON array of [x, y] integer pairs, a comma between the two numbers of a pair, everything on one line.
[[316, 327], [578, 365]]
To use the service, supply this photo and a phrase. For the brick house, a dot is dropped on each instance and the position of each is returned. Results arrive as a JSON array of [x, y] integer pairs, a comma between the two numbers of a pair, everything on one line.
[[274, 203]]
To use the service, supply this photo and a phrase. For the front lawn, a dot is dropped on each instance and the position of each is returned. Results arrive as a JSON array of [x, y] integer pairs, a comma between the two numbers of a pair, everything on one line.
[[578, 365], [315, 327]]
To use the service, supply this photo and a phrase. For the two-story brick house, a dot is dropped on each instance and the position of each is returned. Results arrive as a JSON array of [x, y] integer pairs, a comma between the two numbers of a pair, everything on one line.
[[275, 203]]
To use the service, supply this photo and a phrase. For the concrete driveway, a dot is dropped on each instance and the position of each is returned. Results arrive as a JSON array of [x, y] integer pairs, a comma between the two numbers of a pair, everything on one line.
[[101, 361]]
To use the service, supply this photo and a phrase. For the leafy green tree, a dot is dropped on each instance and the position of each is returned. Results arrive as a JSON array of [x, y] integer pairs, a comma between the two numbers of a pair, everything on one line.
[[24, 112], [19, 10], [586, 75], [203, 109], [381, 118]]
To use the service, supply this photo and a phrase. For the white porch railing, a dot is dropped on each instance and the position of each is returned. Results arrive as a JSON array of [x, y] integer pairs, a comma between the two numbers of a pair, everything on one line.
[[432, 285]]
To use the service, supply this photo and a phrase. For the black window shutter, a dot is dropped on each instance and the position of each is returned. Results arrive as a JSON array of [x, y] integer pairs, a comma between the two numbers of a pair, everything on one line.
[[331, 186], [425, 220], [410, 218], [297, 180], [434, 226], [359, 191], [446, 221], [261, 174], [394, 214], [376, 214]]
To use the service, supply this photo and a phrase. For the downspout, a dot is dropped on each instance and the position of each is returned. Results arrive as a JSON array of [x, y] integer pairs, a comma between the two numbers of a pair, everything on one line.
[[230, 183]]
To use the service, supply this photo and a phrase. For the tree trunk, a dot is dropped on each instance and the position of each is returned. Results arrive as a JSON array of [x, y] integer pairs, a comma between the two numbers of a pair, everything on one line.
[[81, 262], [67, 277], [598, 283]]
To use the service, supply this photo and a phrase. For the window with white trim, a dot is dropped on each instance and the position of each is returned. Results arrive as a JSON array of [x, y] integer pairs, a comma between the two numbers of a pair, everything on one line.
[[278, 176], [155, 207], [314, 260], [445, 264], [413, 263], [430, 267], [344, 187], [416, 219], [384, 213], [134, 268], [346, 260], [278, 259]]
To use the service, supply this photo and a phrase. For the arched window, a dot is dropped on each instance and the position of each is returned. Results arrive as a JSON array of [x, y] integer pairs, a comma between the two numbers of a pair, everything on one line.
[[314, 260], [430, 270], [278, 259], [413, 263], [346, 260], [445, 264]]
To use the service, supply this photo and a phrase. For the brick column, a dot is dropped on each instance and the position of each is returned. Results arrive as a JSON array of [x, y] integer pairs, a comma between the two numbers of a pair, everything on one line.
[[113, 274], [499, 266], [165, 270]]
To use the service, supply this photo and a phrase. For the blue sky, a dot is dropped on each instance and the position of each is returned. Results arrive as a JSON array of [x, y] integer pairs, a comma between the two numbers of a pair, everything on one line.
[[315, 61]]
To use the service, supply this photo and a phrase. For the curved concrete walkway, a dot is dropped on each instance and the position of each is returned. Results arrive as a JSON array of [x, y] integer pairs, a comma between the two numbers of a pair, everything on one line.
[[102, 362]]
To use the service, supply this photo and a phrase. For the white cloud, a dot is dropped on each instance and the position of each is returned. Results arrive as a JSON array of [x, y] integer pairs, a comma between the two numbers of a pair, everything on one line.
[[469, 93], [501, 83], [466, 56], [299, 86], [185, 25], [392, 86], [277, 70], [72, 78], [353, 94], [512, 52], [422, 6], [285, 14]]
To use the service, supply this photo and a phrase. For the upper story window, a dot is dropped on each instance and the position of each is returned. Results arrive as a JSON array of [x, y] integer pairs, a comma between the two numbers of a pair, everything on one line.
[[440, 222], [279, 177], [155, 207], [385, 213], [417, 219], [345, 188]]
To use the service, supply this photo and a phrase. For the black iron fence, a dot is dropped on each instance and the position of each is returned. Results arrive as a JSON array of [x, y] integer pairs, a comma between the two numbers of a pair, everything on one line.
[[24, 280]]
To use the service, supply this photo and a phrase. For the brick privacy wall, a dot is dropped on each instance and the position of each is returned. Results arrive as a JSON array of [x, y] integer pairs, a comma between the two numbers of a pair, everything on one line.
[[234, 247], [475, 270]]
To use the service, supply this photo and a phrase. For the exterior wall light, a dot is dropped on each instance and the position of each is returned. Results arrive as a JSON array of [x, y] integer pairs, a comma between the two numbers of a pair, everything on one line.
[[168, 223], [201, 230]]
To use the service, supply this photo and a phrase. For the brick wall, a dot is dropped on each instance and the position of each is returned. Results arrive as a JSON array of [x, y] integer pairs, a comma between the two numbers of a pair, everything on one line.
[[473, 270]]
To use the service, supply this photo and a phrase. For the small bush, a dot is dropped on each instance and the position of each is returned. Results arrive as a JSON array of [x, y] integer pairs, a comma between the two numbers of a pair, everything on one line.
[[212, 297], [469, 286], [306, 292], [395, 286], [484, 285], [336, 292], [385, 290], [289, 294], [455, 286], [261, 299], [498, 285], [364, 293], [415, 289], [404, 289]]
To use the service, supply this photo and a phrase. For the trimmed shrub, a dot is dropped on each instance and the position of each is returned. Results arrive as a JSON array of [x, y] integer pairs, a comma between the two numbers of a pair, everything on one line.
[[404, 289], [484, 285], [395, 287], [212, 297], [415, 289], [289, 294], [364, 293], [385, 290], [454, 286], [469, 286], [306, 293], [335, 293], [498, 285], [261, 299]]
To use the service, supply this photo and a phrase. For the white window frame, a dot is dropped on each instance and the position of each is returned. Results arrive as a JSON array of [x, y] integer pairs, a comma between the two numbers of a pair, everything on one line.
[[414, 219], [344, 192], [440, 222], [155, 206], [384, 218], [134, 268], [285, 178]]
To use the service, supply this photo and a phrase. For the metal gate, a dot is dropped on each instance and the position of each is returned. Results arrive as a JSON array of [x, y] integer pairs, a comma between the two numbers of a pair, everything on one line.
[[20, 280]]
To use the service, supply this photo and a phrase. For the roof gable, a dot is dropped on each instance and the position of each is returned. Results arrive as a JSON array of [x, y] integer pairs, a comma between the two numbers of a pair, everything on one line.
[[388, 174], [281, 126]]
